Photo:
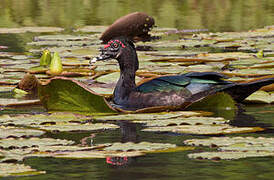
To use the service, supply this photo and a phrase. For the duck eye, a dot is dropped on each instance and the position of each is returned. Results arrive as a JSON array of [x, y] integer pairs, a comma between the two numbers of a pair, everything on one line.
[[114, 45]]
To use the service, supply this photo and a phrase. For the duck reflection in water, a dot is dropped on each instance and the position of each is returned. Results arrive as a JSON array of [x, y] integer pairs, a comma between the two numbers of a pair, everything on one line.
[[129, 134]]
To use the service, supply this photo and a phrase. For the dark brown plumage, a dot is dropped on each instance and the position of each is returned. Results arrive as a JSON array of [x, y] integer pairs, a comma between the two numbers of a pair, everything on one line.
[[173, 91], [134, 26]]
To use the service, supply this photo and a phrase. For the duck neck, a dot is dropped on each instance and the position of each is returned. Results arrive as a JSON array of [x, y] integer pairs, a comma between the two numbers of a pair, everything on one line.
[[128, 63]]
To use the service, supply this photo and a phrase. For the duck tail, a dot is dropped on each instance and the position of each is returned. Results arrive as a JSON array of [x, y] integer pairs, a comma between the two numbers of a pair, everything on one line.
[[241, 91]]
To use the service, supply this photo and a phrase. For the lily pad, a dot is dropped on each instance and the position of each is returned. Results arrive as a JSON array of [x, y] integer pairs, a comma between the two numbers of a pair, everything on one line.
[[96, 154], [128, 149], [109, 78], [233, 147], [17, 102], [142, 146], [32, 142], [14, 155], [62, 94], [230, 141], [149, 116], [250, 72], [204, 129], [228, 155], [93, 29], [40, 119], [6, 132], [261, 97], [10, 169], [76, 127], [30, 29], [103, 91], [184, 121], [64, 37]]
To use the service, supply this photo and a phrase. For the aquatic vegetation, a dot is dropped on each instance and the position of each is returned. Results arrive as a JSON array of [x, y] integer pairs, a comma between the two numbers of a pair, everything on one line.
[[10, 169], [233, 147], [89, 88]]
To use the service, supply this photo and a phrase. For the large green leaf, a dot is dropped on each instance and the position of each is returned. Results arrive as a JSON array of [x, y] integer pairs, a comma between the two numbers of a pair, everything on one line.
[[63, 94]]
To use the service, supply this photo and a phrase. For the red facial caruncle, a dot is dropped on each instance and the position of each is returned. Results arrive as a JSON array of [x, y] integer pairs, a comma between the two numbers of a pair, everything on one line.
[[110, 42]]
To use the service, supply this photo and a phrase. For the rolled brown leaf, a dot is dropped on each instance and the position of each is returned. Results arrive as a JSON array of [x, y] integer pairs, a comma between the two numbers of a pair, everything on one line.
[[134, 26]]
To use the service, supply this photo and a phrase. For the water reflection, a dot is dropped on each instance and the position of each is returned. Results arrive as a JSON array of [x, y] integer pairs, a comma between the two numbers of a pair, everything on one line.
[[215, 15]]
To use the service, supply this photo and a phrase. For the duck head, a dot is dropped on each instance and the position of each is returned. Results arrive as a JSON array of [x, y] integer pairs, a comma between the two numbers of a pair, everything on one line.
[[123, 50]]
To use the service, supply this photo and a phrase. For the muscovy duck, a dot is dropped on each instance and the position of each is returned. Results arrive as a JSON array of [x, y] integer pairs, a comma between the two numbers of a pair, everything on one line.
[[177, 90]]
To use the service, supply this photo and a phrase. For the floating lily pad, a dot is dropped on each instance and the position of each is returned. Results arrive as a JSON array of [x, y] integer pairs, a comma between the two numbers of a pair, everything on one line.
[[32, 142], [64, 37], [92, 29], [103, 91], [128, 149], [149, 116], [76, 127], [61, 94], [96, 154], [233, 55], [228, 155], [142, 146], [261, 97], [6, 132], [233, 147], [204, 129], [10, 169], [14, 155], [19, 57], [6, 88], [175, 53], [60, 43], [201, 68], [17, 102], [109, 78], [250, 72], [7, 81], [230, 141], [184, 121], [38, 69], [65, 40], [40, 119], [30, 29]]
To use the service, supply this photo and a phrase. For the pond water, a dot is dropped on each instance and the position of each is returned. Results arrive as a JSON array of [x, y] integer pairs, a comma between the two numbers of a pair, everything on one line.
[[214, 15], [226, 15]]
